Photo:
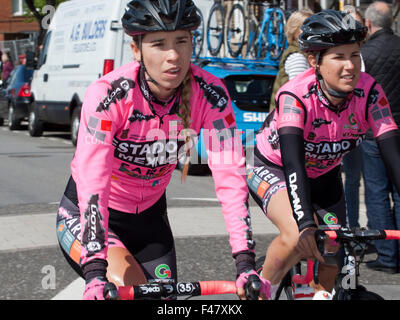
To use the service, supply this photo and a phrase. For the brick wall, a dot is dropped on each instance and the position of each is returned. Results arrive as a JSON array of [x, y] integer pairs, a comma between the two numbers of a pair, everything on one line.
[[12, 27]]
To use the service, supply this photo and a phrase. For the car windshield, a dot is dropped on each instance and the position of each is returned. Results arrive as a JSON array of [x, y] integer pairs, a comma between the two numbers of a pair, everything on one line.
[[250, 92]]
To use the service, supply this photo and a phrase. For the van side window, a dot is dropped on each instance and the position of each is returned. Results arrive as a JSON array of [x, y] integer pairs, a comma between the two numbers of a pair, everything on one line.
[[45, 49]]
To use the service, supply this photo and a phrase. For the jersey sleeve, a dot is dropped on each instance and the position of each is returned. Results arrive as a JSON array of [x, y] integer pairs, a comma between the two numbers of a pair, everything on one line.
[[290, 112], [385, 131], [291, 130], [227, 164], [92, 166], [379, 115]]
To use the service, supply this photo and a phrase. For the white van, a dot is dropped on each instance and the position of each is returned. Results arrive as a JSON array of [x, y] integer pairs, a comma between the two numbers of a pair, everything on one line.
[[85, 40]]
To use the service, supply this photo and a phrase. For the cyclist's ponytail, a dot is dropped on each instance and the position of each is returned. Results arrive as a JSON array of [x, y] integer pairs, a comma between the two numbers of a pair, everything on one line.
[[185, 113]]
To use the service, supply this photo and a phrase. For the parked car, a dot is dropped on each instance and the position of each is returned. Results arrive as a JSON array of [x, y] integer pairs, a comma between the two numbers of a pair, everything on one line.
[[250, 86], [15, 97]]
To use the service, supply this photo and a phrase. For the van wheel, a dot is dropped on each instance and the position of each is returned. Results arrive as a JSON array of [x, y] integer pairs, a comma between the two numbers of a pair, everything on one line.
[[35, 126], [13, 122], [75, 120]]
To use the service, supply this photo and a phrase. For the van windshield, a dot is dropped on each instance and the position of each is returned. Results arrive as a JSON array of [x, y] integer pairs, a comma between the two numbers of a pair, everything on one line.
[[250, 92], [45, 48]]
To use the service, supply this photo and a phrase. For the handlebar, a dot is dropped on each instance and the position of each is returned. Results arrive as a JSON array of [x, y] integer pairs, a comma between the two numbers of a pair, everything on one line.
[[360, 235], [341, 235], [167, 289]]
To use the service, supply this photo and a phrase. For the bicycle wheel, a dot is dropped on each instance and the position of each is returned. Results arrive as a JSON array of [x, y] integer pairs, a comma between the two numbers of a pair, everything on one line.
[[276, 34], [235, 30], [259, 264], [215, 29], [286, 286], [198, 37]]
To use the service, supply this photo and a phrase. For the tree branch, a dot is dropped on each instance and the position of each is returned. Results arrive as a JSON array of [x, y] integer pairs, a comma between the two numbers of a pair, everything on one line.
[[31, 6]]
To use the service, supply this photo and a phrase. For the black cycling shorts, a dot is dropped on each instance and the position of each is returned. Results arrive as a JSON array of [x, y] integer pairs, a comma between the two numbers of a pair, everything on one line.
[[327, 194], [147, 235]]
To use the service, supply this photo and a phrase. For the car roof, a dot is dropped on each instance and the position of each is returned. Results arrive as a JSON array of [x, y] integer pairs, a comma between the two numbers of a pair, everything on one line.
[[223, 70]]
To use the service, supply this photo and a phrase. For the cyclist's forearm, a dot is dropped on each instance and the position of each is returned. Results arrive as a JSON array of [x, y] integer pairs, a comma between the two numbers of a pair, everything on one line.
[[244, 261], [293, 160], [227, 163], [232, 192]]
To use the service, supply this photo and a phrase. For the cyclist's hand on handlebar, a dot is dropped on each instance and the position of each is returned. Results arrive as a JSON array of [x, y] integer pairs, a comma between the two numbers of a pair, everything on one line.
[[94, 289], [307, 245], [252, 286]]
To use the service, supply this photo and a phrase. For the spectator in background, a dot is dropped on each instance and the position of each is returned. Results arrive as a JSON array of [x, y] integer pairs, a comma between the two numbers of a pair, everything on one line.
[[293, 61], [381, 54], [8, 66], [352, 162]]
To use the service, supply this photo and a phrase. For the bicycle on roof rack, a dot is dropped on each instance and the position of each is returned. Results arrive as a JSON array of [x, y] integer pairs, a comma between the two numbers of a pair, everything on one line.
[[215, 28], [247, 37], [347, 285], [198, 37]]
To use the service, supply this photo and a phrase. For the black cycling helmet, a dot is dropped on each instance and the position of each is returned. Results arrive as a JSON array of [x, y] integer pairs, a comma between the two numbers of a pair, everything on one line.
[[143, 16], [330, 28]]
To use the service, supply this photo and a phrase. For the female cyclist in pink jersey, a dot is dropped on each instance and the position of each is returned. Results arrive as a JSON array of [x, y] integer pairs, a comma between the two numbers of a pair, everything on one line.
[[320, 115], [136, 121]]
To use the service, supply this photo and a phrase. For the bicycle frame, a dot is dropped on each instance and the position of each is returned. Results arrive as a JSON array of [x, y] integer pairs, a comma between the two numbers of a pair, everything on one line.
[[345, 258], [243, 35], [271, 36]]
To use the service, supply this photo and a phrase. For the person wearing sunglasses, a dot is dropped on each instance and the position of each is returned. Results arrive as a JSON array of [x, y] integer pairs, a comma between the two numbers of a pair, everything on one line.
[[320, 115]]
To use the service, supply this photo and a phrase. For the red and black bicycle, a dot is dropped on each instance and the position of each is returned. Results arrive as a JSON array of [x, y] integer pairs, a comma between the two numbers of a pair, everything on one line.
[[348, 259]]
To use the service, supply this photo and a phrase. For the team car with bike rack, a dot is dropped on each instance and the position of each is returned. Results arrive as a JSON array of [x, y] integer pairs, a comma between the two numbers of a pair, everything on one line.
[[243, 51], [250, 86]]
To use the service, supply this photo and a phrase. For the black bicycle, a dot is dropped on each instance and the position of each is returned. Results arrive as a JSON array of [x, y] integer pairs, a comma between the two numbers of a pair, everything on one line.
[[353, 246]]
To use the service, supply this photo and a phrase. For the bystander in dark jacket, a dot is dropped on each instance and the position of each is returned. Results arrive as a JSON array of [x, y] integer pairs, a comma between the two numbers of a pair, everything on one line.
[[381, 54]]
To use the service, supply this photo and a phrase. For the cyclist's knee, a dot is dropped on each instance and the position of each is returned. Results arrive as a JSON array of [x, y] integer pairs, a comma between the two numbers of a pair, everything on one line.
[[123, 269], [289, 238]]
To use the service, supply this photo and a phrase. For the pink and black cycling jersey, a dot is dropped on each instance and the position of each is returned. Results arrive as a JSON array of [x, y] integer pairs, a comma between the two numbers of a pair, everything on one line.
[[307, 136], [328, 133], [129, 143]]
